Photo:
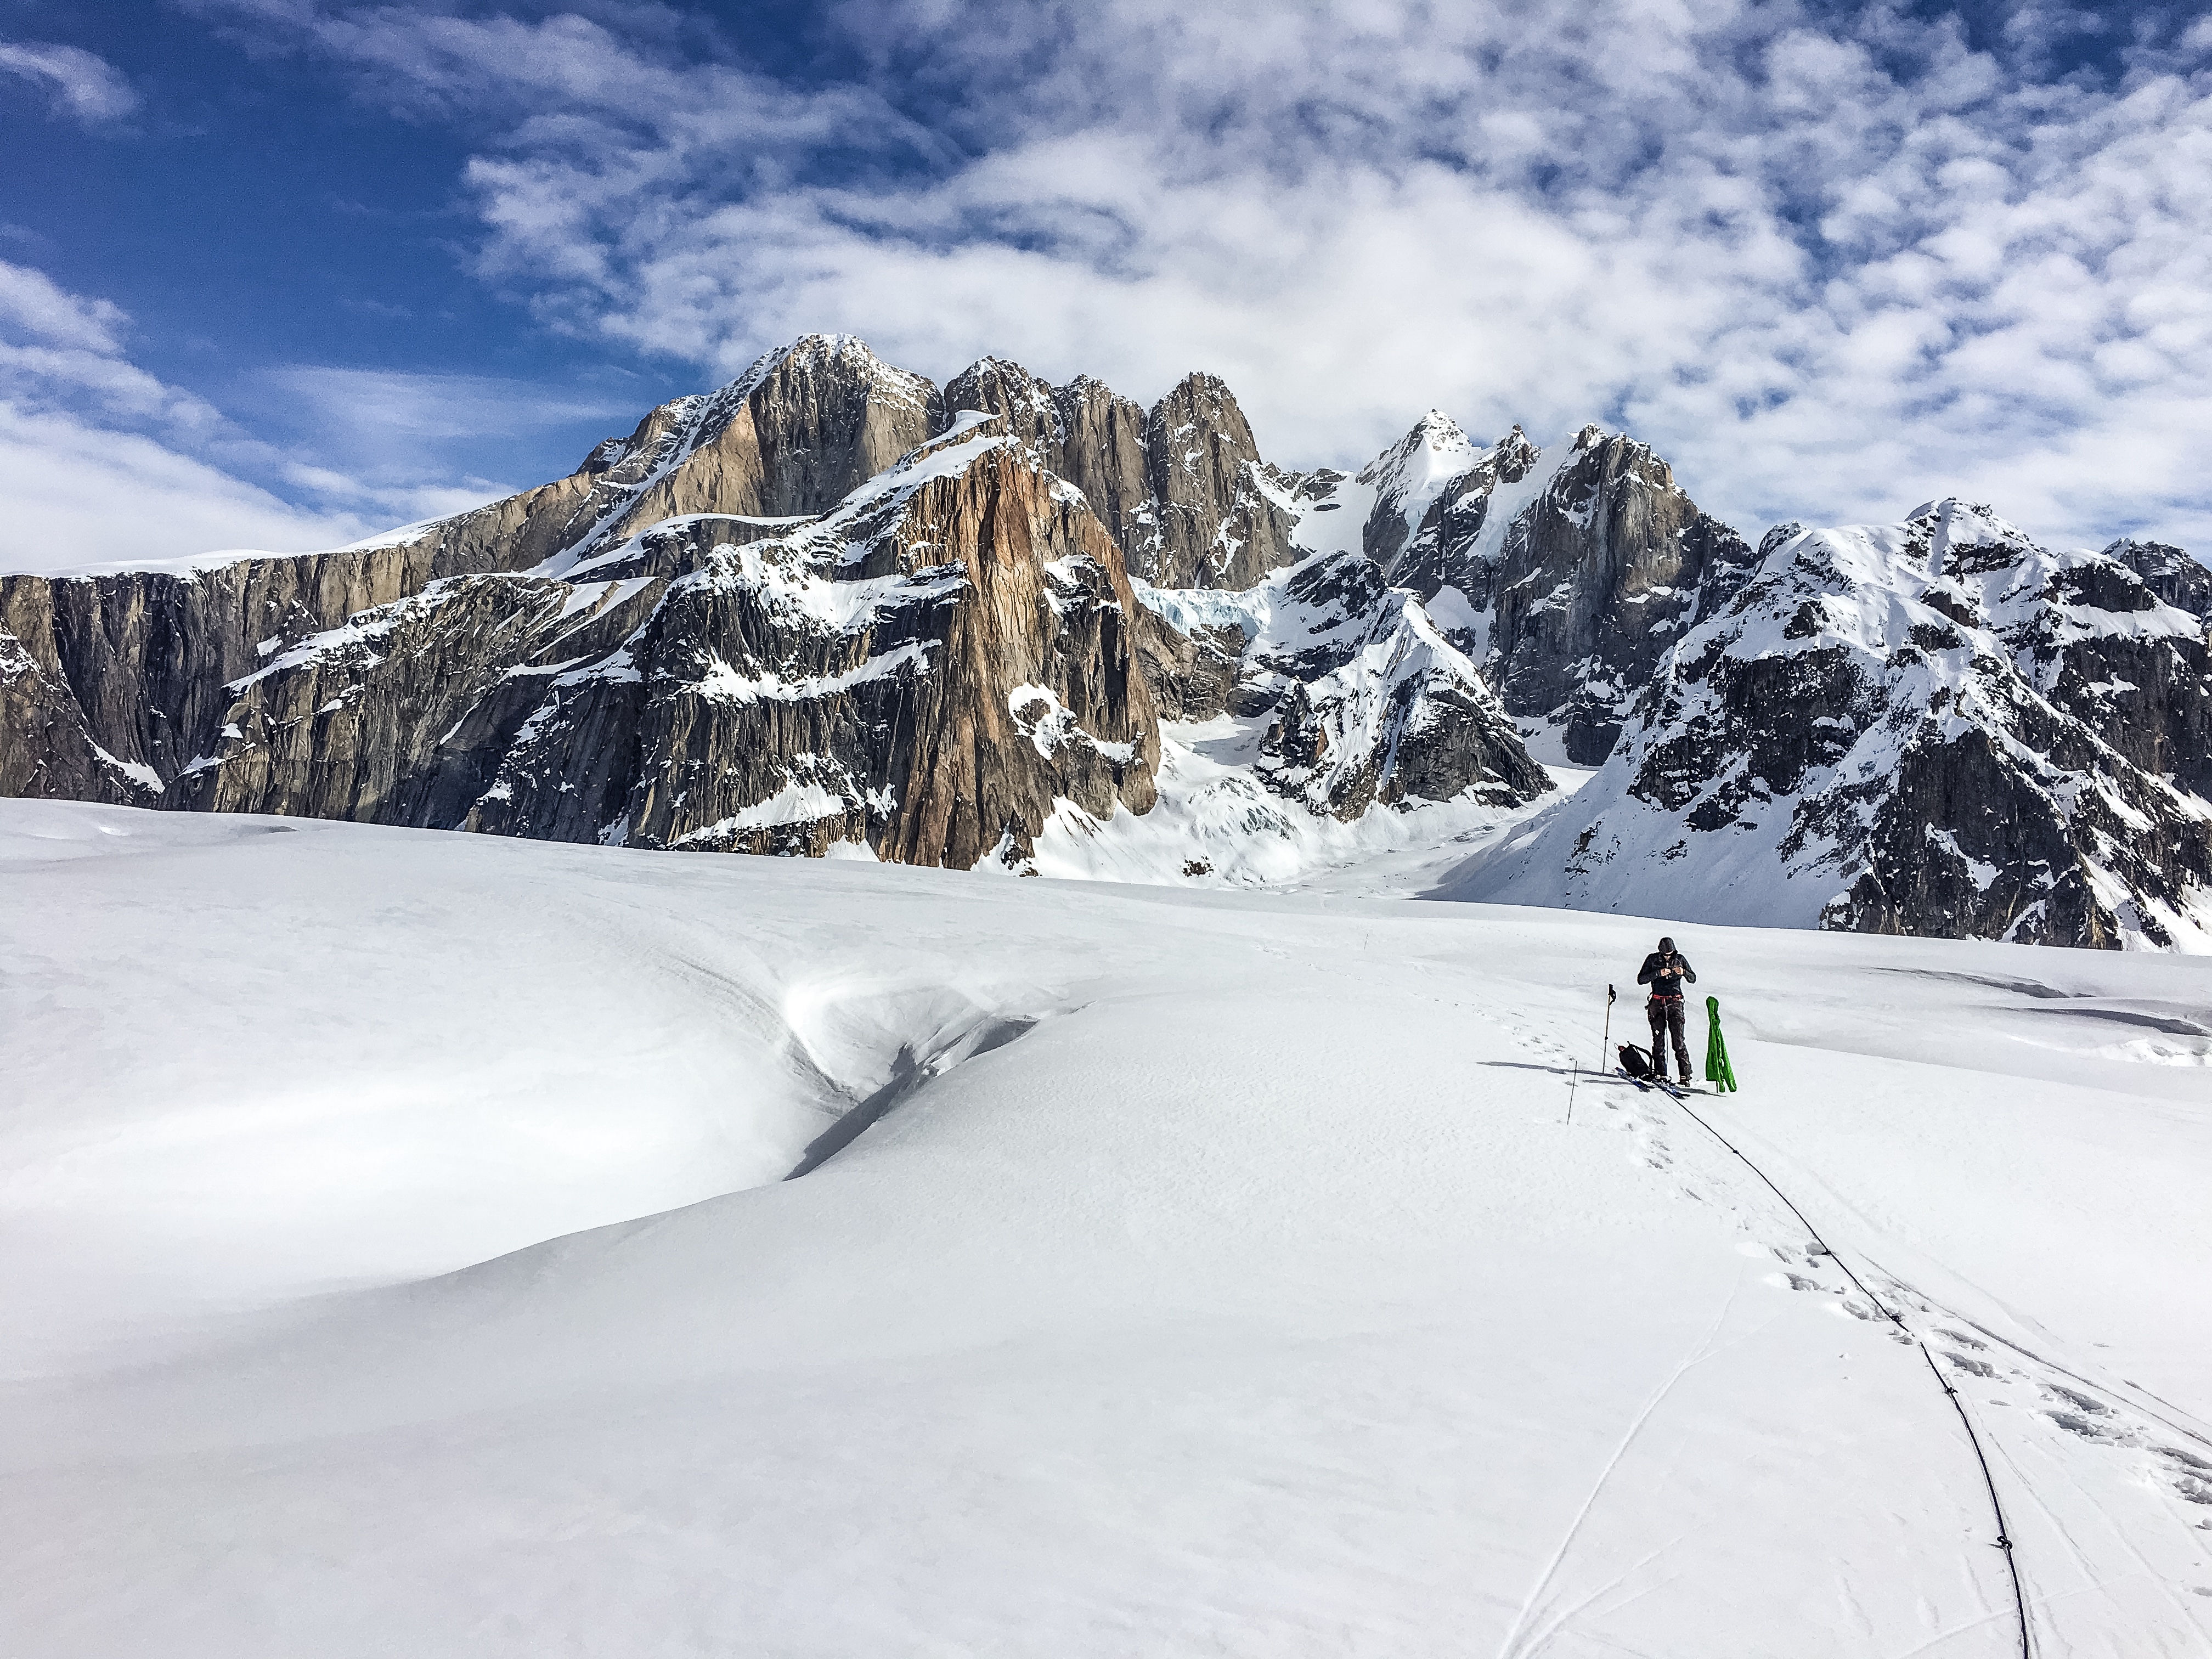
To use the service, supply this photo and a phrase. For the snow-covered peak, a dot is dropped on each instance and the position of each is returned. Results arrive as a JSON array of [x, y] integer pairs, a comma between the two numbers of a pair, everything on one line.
[[989, 379], [1933, 725], [1435, 449], [1514, 452], [1966, 536]]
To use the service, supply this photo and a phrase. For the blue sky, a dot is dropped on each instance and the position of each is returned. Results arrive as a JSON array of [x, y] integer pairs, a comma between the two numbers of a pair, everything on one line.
[[278, 272]]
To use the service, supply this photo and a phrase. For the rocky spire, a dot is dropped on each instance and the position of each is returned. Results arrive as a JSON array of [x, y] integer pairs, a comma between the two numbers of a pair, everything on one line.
[[1103, 454], [1183, 488], [1213, 526]]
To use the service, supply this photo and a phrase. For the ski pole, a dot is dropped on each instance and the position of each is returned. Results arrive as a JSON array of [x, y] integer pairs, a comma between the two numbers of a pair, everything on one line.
[[1602, 1043]]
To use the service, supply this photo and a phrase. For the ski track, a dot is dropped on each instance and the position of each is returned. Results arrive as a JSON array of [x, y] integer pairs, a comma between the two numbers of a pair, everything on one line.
[[1512, 1648], [1657, 1153]]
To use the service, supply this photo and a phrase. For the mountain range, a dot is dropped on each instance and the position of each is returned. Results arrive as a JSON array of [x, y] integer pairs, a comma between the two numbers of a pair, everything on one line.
[[832, 609]]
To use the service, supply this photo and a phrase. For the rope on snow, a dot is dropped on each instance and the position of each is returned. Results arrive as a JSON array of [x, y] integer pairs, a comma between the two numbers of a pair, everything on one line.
[[1989, 1481]]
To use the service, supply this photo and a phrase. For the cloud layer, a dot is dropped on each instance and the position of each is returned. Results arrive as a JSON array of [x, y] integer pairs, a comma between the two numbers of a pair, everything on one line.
[[1830, 260], [1829, 263]]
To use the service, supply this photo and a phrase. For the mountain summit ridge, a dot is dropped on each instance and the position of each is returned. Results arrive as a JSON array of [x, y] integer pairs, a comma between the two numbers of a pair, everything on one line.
[[832, 604]]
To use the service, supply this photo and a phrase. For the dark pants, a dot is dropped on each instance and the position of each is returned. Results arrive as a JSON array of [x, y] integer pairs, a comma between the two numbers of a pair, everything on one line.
[[1667, 1017]]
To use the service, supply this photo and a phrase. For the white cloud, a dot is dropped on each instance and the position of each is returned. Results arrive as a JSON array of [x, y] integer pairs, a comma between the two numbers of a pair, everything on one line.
[[88, 87], [1829, 267], [95, 453], [399, 425], [79, 496], [33, 303]]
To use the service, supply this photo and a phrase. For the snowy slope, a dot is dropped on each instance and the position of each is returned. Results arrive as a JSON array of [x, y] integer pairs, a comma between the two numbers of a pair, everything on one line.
[[1935, 726], [1221, 1276], [1218, 822]]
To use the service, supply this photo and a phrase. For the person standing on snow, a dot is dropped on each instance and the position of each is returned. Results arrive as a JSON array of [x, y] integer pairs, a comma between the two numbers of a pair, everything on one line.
[[1664, 970]]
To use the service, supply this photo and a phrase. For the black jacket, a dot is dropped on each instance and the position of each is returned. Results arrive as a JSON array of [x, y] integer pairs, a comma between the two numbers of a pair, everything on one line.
[[1665, 981]]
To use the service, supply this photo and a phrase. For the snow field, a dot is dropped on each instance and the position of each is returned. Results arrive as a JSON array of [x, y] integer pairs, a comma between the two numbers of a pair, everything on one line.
[[1216, 825], [1222, 1276]]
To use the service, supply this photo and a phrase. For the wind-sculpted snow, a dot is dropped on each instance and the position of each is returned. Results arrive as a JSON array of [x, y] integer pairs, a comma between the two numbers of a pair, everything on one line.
[[1902, 729], [399, 1261]]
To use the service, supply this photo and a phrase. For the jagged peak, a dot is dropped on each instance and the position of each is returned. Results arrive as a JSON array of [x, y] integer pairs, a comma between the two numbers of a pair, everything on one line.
[[1200, 380], [992, 367], [1436, 444], [1088, 386], [1199, 389], [819, 353], [1589, 437], [1961, 530], [975, 386], [1788, 531], [2128, 547]]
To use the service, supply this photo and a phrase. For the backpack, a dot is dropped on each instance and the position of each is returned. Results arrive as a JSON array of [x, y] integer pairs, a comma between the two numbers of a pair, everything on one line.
[[1636, 1062]]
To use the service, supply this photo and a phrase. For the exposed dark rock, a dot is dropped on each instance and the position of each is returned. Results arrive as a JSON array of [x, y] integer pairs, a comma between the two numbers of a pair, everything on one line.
[[2169, 573], [1594, 581], [827, 605], [46, 750], [1936, 727], [1215, 527], [802, 429], [1440, 552], [1182, 490], [1368, 703], [146, 656], [1192, 676], [1102, 453]]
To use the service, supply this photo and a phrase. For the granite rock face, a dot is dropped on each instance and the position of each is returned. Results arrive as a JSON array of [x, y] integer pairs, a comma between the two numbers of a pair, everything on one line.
[[1931, 727], [1182, 488], [147, 657], [925, 671]]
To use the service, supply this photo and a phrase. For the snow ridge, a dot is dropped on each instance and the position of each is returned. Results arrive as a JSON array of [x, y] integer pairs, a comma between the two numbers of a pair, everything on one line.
[[1885, 731]]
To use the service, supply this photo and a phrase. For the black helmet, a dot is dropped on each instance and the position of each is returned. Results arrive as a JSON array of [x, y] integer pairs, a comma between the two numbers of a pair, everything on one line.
[[1665, 945]]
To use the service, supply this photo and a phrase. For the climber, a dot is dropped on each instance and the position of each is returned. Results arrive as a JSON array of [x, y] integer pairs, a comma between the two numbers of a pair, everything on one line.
[[1664, 970]]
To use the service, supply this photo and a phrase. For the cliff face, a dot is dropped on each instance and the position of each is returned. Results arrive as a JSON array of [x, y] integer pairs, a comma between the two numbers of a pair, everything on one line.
[[145, 657], [135, 664], [924, 671], [1182, 488], [1566, 576]]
